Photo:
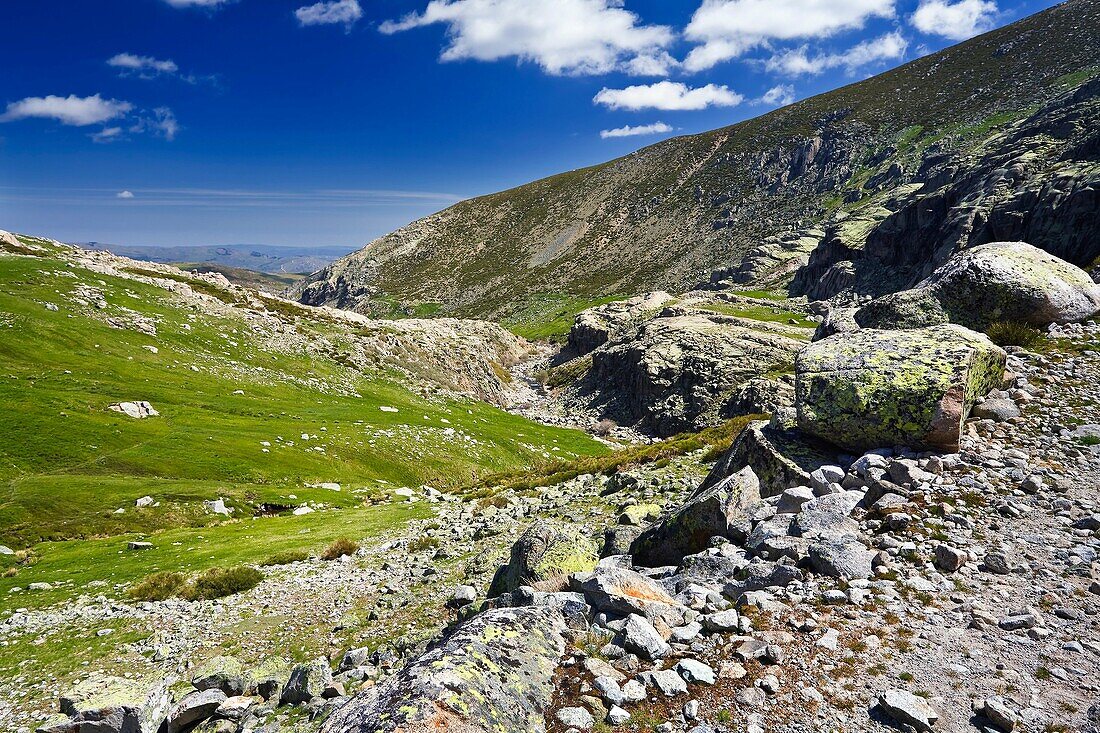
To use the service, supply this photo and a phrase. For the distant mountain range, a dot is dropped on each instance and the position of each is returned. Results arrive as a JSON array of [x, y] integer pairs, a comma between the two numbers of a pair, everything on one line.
[[257, 257]]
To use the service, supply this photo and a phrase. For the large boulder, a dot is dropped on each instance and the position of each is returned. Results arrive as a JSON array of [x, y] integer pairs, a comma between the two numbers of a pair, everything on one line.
[[681, 371], [873, 389], [545, 551], [1002, 281], [113, 705], [715, 511], [494, 673], [307, 681], [780, 458], [623, 592]]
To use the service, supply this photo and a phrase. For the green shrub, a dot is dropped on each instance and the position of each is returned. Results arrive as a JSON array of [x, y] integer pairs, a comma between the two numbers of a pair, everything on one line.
[[339, 548], [423, 543], [1014, 333], [159, 586], [221, 582], [285, 558]]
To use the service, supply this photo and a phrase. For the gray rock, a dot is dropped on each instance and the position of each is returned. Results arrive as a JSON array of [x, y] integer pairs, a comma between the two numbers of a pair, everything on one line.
[[578, 718], [666, 680], [642, 639], [695, 671], [905, 707], [617, 716], [997, 712], [791, 500], [544, 550], [623, 592], [221, 673], [721, 622], [194, 708], [996, 409], [462, 596], [306, 682], [780, 458], [115, 705], [713, 512], [841, 557], [492, 673]]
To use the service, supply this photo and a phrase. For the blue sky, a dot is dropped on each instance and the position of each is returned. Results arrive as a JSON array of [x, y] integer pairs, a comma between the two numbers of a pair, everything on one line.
[[175, 122]]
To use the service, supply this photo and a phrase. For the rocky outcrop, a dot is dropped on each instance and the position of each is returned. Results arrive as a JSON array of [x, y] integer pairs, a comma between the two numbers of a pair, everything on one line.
[[682, 369], [112, 705], [874, 389], [1002, 281], [492, 674], [543, 552], [1034, 181], [715, 511], [596, 326]]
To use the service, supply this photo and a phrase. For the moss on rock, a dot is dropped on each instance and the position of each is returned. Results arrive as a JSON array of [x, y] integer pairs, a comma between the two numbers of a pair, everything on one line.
[[874, 389]]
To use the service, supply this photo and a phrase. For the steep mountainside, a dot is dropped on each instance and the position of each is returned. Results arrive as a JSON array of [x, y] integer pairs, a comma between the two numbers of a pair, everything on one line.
[[668, 214]]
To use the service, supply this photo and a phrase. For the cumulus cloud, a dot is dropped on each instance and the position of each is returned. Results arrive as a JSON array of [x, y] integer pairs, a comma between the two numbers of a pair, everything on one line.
[[799, 61], [956, 21], [778, 96], [561, 36], [668, 95], [727, 29], [325, 13], [144, 66], [71, 110], [124, 195], [655, 129]]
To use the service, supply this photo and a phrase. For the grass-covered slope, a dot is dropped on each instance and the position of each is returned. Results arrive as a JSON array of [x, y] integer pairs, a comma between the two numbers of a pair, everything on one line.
[[667, 214], [252, 410]]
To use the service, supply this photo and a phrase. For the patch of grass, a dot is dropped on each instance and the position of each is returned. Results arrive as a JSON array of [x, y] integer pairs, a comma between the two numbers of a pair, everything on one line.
[[339, 548], [233, 410], [1042, 673], [553, 472], [567, 373], [1089, 440], [1013, 333], [285, 558], [221, 582], [159, 586], [549, 316], [763, 313]]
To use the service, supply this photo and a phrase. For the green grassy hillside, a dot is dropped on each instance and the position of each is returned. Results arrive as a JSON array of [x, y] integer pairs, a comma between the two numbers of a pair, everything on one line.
[[241, 418]]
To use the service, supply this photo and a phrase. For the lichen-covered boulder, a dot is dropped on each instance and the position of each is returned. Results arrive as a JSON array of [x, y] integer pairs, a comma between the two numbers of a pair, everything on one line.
[[1002, 281], [780, 458], [494, 673], [712, 512], [221, 673], [113, 705], [873, 389], [546, 550], [306, 682]]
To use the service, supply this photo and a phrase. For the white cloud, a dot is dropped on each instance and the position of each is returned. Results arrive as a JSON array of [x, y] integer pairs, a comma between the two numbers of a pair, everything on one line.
[[668, 95], [797, 62], [196, 3], [144, 66], [778, 96], [71, 110], [956, 21], [162, 121], [561, 36], [324, 13], [106, 135], [124, 195], [726, 29], [628, 131]]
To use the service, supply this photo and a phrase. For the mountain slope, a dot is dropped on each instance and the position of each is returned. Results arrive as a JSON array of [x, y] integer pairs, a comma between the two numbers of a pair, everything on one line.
[[668, 214]]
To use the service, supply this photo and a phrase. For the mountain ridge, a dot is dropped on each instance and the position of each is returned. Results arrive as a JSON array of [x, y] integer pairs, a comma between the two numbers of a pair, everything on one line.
[[666, 215]]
